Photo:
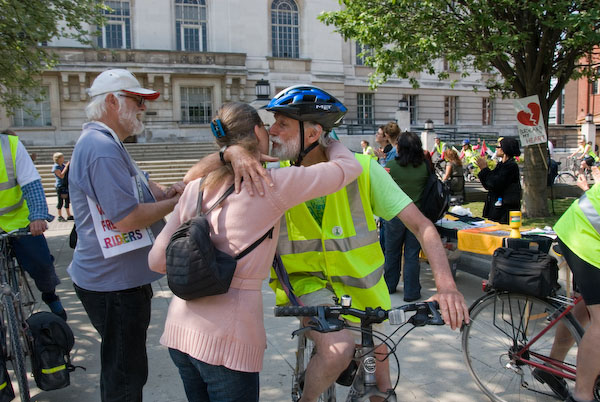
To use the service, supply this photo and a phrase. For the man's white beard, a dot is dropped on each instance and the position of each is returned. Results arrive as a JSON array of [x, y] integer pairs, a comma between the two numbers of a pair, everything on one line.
[[128, 119], [286, 150]]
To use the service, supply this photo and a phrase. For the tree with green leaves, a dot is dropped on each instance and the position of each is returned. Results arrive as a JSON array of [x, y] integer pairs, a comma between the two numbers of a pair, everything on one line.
[[523, 44], [25, 27]]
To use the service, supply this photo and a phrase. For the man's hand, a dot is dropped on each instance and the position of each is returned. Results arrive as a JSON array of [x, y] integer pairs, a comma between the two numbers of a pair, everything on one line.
[[453, 307], [482, 163], [596, 174], [246, 166], [38, 227], [582, 182], [175, 189]]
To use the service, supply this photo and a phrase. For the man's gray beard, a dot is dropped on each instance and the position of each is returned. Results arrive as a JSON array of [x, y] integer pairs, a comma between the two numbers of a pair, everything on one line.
[[128, 119], [286, 150]]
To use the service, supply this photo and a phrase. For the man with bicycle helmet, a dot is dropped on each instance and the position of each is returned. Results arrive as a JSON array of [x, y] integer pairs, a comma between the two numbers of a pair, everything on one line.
[[329, 245]]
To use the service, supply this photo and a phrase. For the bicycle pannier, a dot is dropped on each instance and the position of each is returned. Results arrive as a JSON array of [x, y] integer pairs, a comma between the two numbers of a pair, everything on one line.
[[530, 272], [52, 343], [7, 393]]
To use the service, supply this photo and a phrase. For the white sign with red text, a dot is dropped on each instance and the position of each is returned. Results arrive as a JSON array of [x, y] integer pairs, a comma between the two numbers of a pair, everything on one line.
[[530, 121], [112, 241]]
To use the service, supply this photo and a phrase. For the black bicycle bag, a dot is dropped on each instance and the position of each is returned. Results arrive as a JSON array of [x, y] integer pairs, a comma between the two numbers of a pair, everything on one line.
[[530, 272], [7, 393], [52, 343]]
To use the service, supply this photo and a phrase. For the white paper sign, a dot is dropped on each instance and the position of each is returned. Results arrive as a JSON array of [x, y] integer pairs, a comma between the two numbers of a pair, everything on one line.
[[113, 242], [530, 120]]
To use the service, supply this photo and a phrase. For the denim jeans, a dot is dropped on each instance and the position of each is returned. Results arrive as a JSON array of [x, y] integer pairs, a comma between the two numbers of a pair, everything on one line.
[[397, 238], [208, 383], [121, 318], [34, 256]]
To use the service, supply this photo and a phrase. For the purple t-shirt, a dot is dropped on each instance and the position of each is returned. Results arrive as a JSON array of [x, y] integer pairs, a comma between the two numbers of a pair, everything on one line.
[[101, 169]]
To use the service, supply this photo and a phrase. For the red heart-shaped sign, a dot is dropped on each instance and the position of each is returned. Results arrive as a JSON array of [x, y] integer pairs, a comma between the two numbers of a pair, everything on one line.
[[530, 118]]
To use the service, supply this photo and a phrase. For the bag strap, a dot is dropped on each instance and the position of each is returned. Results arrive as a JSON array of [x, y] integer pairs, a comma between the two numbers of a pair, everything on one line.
[[227, 192], [251, 247], [220, 200]]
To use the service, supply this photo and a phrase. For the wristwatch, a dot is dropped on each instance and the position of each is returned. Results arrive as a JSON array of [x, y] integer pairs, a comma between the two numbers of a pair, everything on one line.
[[221, 154]]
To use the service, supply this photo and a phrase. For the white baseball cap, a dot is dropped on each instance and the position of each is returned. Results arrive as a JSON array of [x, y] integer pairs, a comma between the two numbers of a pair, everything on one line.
[[119, 79]]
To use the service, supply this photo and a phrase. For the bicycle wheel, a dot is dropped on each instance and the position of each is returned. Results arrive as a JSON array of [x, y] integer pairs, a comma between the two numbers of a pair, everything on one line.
[[303, 355], [501, 324], [565, 177], [17, 354]]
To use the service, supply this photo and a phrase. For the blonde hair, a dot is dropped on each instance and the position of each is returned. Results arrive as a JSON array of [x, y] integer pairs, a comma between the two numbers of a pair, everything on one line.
[[56, 156], [237, 120]]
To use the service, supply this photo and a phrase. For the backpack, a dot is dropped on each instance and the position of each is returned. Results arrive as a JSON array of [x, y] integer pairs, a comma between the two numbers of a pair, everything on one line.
[[435, 199], [52, 342], [7, 393], [195, 268]]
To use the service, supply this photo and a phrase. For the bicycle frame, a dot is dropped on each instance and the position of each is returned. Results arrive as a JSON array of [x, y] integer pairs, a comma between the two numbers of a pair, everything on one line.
[[563, 370]]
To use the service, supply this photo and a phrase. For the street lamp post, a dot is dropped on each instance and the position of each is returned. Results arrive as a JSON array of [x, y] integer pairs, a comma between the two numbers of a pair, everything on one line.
[[428, 135], [403, 114]]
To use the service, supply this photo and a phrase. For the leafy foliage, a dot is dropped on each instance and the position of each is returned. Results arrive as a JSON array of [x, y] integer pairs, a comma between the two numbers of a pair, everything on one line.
[[25, 27], [520, 44]]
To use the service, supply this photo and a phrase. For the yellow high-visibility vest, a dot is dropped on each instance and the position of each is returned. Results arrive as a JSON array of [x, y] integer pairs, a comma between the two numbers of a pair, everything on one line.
[[342, 254], [579, 226], [14, 213]]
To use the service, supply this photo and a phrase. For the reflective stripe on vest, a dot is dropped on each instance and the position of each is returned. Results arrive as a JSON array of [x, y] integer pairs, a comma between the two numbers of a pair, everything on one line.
[[363, 236], [11, 178], [590, 212]]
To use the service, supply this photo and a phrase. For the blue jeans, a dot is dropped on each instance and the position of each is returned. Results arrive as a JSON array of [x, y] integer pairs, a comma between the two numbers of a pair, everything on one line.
[[34, 256], [205, 382], [121, 318], [397, 238]]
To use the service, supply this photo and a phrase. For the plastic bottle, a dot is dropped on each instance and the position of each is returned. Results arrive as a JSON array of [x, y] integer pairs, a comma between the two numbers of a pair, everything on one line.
[[499, 202]]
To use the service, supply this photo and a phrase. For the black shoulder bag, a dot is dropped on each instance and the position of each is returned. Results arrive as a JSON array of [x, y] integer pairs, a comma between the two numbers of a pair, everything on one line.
[[195, 268]]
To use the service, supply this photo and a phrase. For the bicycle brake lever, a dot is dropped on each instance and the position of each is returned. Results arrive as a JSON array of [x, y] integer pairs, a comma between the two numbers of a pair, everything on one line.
[[300, 331]]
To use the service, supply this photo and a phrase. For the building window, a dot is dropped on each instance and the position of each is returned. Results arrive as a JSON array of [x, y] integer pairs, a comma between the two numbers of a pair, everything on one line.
[[450, 110], [190, 25], [412, 108], [487, 109], [596, 83], [116, 32], [34, 113], [368, 51], [196, 105], [284, 29], [364, 108]]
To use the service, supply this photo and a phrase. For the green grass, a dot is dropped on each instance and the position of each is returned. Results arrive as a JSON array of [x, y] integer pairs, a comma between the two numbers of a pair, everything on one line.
[[560, 206]]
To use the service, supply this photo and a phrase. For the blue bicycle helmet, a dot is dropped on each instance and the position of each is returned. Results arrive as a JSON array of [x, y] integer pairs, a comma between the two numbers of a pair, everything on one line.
[[309, 103], [466, 141]]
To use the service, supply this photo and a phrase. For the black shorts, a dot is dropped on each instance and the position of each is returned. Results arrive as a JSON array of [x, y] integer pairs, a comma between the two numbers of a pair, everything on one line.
[[589, 161], [585, 275]]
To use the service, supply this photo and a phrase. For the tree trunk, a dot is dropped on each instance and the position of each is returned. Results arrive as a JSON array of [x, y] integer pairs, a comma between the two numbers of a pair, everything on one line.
[[535, 174]]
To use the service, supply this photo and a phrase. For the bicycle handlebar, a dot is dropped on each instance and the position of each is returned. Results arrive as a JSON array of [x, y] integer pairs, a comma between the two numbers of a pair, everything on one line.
[[427, 313], [15, 233]]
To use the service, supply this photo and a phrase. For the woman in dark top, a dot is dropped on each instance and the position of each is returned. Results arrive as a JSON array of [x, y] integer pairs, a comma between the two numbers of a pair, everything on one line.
[[454, 174], [410, 172], [503, 183]]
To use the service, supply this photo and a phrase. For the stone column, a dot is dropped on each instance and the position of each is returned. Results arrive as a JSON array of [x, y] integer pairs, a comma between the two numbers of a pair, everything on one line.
[[82, 93], [65, 86], [588, 130]]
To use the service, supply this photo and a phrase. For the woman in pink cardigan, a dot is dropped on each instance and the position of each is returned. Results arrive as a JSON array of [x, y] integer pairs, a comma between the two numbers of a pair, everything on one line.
[[218, 342]]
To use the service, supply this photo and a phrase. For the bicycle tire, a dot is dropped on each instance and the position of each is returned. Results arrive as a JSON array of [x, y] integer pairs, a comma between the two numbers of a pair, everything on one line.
[[303, 355], [18, 354], [565, 177], [491, 337]]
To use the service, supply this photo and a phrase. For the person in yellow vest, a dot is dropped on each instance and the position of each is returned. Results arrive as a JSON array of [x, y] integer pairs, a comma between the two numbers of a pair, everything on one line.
[[23, 205], [439, 148], [578, 231], [329, 245], [367, 149], [469, 159]]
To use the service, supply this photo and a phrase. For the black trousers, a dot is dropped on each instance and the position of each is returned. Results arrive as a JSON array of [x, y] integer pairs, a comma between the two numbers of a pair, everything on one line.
[[121, 318]]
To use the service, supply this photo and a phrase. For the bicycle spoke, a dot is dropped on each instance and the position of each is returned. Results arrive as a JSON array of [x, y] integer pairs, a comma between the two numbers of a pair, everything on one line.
[[501, 326]]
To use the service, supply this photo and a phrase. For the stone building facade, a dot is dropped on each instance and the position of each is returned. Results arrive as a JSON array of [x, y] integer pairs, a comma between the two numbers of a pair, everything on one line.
[[201, 53]]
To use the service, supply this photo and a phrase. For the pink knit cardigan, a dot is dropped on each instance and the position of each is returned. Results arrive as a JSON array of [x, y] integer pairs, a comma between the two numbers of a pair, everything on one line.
[[228, 329]]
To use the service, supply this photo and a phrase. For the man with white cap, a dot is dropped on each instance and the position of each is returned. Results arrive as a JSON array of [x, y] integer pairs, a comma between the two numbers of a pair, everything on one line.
[[118, 211]]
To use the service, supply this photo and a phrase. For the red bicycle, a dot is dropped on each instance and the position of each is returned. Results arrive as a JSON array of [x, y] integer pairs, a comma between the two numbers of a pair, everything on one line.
[[508, 344]]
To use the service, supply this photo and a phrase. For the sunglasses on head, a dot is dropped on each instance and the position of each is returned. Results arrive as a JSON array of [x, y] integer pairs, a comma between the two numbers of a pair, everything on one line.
[[139, 99]]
